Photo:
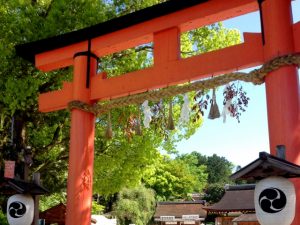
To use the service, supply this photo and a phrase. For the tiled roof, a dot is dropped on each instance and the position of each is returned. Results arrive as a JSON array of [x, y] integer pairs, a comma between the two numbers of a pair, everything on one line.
[[178, 209], [13, 186], [55, 214], [234, 200], [251, 217], [265, 166]]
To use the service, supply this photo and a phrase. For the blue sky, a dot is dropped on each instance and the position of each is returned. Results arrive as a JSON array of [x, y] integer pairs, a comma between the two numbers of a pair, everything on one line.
[[240, 142]]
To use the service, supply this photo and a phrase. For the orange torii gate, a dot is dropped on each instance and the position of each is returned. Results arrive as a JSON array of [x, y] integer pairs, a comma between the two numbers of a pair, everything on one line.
[[162, 25]]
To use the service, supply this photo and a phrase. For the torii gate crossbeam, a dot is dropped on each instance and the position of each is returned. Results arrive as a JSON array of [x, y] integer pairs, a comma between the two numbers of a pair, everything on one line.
[[162, 25]]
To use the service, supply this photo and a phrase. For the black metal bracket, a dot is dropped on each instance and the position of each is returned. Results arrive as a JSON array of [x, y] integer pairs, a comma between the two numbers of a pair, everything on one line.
[[89, 54], [261, 21], [88, 67]]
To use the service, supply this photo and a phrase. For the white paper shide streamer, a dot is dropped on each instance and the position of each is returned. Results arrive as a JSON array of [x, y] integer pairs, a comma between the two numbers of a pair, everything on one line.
[[226, 108], [185, 110], [147, 114]]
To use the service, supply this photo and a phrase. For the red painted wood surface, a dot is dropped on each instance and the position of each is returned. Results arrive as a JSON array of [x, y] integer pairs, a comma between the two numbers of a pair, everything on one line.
[[296, 29], [187, 19], [81, 155], [172, 71], [182, 70], [56, 100], [282, 86]]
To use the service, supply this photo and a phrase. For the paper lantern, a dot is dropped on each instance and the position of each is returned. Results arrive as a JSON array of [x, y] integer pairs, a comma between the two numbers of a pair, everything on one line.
[[20, 210], [275, 201]]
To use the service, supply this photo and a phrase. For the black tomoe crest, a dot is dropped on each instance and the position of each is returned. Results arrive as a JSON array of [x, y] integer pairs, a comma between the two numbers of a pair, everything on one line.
[[17, 209], [272, 200]]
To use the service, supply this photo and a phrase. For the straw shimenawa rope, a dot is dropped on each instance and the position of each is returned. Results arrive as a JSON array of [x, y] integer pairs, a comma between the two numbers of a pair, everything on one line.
[[256, 76]]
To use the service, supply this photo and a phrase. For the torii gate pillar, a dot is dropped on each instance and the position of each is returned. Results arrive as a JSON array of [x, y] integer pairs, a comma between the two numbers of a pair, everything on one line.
[[81, 155], [282, 86]]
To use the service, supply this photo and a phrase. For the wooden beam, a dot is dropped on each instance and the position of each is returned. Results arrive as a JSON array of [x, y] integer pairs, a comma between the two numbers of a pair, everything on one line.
[[229, 59], [186, 19], [59, 58], [173, 72], [166, 46], [56, 100]]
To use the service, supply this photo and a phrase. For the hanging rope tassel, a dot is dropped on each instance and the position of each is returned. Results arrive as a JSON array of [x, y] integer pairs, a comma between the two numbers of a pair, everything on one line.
[[214, 112], [138, 127], [108, 132], [170, 125]]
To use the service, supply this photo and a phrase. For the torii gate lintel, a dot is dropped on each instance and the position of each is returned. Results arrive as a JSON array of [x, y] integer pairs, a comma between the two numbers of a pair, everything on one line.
[[168, 69]]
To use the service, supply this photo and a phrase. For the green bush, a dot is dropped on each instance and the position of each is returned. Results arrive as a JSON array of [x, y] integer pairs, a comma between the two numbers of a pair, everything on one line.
[[3, 219]]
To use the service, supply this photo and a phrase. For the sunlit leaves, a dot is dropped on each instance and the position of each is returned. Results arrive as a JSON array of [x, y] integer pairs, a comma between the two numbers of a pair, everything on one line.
[[175, 179], [122, 161], [135, 205]]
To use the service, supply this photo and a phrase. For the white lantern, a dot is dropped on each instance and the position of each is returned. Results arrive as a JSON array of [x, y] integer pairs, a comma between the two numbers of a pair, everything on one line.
[[20, 210], [275, 201]]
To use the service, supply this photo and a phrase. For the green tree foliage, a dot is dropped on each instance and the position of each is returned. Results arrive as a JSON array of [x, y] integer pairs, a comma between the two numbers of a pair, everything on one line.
[[120, 161], [121, 164], [175, 178], [97, 209], [48, 201], [3, 219], [135, 205], [218, 168], [214, 192]]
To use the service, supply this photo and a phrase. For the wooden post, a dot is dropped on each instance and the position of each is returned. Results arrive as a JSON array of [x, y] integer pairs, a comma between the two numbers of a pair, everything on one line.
[[81, 155], [36, 180], [282, 86], [166, 46]]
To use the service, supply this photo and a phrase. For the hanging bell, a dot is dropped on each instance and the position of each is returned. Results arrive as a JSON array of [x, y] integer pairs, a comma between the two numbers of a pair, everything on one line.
[[214, 112], [138, 127], [108, 132], [170, 125]]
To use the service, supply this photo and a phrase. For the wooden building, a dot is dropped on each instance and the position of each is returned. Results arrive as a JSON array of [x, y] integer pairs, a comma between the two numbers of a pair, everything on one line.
[[10, 186], [238, 200], [246, 219], [180, 213], [57, 215]]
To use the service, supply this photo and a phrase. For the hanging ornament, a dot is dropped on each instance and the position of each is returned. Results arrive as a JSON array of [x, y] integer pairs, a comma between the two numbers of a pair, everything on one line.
[[147, 114], [214, 109], [228, 96], [170, 125], [185, 110], [138, 128], [108, 132], [226, 110]]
